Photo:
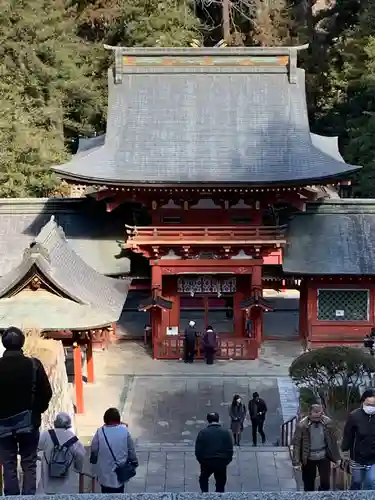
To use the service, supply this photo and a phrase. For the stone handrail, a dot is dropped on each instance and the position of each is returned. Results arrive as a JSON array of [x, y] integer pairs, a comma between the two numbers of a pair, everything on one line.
[[292, 495]]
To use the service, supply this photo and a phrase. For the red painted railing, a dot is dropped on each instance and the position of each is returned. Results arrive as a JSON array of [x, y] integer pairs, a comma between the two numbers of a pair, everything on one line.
[[229, 348], [190, 235]]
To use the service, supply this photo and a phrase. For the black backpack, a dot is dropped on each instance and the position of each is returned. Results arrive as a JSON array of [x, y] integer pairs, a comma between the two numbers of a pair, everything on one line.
[[61, 456]]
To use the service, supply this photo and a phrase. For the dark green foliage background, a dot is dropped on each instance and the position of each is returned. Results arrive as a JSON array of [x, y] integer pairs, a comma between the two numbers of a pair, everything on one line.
[[53, 70], [333, 374]]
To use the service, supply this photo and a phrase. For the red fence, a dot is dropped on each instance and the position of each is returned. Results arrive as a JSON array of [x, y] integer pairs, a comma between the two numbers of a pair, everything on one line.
[[229, 348], [158, 235]]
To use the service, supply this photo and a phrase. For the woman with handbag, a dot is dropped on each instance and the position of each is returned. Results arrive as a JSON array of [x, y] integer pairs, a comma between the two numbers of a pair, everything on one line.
[[113, 454]]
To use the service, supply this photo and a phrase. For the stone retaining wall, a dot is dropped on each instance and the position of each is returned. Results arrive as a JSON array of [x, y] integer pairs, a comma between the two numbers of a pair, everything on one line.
[[329, 495]]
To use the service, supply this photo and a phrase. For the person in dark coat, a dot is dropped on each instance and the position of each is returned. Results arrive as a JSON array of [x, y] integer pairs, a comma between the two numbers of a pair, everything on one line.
[[359, 440], [189, 342], [257, 412], [214, 452], [237, 414], [210, 342], [26, 389]]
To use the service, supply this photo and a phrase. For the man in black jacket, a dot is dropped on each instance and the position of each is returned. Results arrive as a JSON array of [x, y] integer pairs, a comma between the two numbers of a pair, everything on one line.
[[25, 389], [359, 440], [257, 411], [214, 452]]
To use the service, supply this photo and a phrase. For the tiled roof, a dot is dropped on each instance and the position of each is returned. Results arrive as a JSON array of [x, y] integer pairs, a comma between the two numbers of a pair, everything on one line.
[[205, 124], [53, 258], [94, 234], [46, 311], [328, 145], [336, 237]]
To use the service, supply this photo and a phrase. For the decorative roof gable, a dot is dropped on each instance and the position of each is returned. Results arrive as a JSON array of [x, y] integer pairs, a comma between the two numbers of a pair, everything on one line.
[[51, 255]]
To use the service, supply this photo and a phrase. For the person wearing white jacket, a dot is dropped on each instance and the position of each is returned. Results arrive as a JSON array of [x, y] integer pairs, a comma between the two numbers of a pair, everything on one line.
[[69, 483], [111, 447]]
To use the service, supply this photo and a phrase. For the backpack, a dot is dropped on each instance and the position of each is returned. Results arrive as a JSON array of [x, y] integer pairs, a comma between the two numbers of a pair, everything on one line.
[[61, 456]]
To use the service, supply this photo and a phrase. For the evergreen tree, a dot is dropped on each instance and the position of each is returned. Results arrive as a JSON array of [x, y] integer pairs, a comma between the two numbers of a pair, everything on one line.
[[54, 70], [53, 67], [44, 94]]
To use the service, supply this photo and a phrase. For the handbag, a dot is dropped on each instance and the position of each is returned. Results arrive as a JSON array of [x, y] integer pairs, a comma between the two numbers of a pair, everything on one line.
[[124, 471], [21, 423]]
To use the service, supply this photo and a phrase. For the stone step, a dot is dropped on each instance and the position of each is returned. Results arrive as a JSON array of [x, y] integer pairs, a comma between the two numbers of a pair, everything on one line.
[[165, 447]]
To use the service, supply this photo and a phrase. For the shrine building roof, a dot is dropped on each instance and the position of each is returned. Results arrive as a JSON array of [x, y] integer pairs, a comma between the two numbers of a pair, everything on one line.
[[335, 237], [64, 291], [219, 116], [95, 235]]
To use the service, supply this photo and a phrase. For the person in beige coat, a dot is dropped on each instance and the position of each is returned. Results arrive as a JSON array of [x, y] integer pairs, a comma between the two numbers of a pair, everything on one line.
[[68, 484]]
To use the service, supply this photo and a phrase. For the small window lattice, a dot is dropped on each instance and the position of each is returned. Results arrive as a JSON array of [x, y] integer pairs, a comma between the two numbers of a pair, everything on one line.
[[343, 305]]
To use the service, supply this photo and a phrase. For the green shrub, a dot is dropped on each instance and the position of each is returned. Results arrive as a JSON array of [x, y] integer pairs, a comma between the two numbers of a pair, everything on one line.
[[332, 375], [306, 399]]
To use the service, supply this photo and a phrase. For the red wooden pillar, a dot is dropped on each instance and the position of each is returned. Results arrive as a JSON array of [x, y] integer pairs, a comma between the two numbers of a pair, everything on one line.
[[303, 310], [78, 377], [89, 361], [155, 329], [156, 316], [257, 313], [238, 315], [175, 297], [311, 310], [242, 287]]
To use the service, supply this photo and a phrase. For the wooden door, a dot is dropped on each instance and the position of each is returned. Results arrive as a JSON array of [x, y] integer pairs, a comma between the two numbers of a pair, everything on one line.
[[220, 314], [193, 308]]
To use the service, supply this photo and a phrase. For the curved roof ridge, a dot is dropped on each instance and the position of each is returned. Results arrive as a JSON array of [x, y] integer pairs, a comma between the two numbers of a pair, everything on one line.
[[206, 51], [328, 145]]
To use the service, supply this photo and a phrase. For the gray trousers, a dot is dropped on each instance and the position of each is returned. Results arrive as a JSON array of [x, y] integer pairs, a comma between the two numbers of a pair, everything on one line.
[[25, 445]]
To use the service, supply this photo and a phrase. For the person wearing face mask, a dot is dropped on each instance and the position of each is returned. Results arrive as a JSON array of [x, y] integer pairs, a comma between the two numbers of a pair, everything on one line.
[[315, 447], [237, 414], [359, 441]]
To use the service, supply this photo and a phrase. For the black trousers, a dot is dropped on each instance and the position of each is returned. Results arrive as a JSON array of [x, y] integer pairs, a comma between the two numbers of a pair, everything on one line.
[[257, 425], [219, 469], [189, 351], [26, 446], [309, 474], [108, 489], [209, 353]]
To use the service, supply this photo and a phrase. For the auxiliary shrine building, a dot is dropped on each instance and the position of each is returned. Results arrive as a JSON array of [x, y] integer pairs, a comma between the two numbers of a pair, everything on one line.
[[207, 188]]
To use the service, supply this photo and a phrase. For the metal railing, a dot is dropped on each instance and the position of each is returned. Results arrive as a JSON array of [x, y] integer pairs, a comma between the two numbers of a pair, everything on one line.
[[82, 483], [287, 431]]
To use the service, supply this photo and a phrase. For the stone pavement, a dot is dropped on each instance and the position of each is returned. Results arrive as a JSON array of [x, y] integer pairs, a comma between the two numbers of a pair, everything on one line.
[[175, 470], [165, 404], [166, 409], [130, 358], [126, 365]]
